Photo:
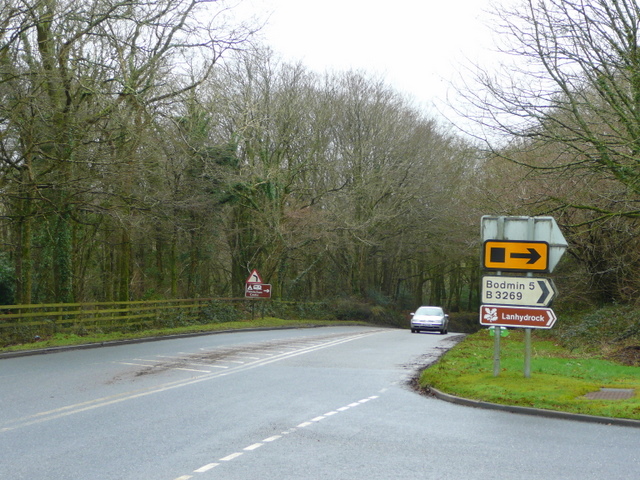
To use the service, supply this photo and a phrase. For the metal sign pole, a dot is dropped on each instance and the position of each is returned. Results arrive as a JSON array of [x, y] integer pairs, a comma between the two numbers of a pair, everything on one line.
[[527, 331], [497, 330], [527, 353], [496, 351]]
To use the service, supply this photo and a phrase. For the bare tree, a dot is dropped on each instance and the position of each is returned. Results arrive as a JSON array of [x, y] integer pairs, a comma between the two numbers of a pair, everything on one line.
[[566, 107], [80, 83], [571, 95]]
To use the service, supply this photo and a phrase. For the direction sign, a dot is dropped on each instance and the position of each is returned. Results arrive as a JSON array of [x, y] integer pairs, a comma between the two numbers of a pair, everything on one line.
[[534, 229], [534, 292], [516, 256], [524, 317], [257, 290]]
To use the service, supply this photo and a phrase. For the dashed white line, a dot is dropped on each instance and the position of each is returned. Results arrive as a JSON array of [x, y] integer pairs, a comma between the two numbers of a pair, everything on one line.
[[206, 468], [273, 438], [230, 457]]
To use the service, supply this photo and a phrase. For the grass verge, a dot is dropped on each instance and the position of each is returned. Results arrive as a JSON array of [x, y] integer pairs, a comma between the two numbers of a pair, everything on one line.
[[559, 378], [63, 339]]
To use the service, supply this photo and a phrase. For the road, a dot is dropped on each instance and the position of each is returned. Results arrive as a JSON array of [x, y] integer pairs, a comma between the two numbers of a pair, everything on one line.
[[326, 403]]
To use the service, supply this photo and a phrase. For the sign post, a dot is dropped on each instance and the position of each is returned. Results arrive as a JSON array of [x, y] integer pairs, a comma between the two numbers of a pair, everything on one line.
[[523, 245], [254, 288]]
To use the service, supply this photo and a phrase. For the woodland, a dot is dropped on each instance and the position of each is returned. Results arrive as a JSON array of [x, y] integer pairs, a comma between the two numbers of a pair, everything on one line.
[[153, 150]]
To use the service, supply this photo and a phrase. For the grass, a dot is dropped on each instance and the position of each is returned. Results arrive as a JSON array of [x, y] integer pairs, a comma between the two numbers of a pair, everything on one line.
[[65, 339], [559, 378]]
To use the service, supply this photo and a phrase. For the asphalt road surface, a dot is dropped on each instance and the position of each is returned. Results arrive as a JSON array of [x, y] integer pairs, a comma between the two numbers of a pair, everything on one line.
[[325, 403]]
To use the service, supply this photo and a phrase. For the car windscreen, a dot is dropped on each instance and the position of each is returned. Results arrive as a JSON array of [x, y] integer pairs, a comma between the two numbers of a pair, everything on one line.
[[435, 311]]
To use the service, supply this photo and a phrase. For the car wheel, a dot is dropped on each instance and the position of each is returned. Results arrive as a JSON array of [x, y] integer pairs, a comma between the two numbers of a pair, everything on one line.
[[443, 332]]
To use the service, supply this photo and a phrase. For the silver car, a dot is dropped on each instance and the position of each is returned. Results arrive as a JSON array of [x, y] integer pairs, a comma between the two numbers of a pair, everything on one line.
[[430, 319]]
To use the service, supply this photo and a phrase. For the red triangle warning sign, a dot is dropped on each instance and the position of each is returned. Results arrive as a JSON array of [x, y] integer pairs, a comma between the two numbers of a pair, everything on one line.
[[254, 277]]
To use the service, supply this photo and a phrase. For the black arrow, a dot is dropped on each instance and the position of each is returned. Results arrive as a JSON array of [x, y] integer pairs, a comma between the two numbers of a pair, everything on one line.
[[533, 255], [545, 291]]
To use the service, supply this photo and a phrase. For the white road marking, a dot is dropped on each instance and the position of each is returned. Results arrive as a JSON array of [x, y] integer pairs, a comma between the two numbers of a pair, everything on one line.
[[342, 409], [136, 364], [253, 447], [184, 477], [230, 457], [354, 404], [328, 414], [304, 424], [206, 468], [191, 370], [317, 419], [273, 438]]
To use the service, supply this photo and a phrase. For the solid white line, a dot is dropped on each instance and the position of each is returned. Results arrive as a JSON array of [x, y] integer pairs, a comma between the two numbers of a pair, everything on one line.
[[231, 457], [253, 447], [206, 468]]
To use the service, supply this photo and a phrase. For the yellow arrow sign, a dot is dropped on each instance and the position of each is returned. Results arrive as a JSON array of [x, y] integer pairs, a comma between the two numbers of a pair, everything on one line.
[[515, 255]]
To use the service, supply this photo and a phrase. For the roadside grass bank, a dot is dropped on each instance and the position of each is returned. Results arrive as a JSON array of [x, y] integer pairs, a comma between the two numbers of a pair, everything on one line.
[[30, 327], [66, 339], [560, 376]]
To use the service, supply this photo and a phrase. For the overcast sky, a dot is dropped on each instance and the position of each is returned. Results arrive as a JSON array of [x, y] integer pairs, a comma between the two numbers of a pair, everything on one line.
[[417, 45]]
